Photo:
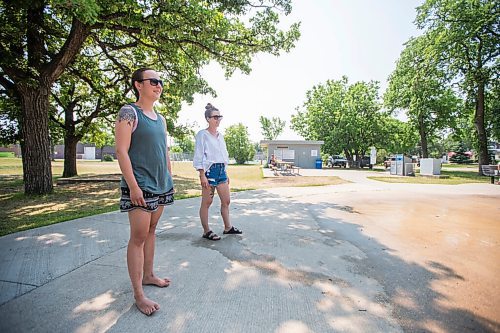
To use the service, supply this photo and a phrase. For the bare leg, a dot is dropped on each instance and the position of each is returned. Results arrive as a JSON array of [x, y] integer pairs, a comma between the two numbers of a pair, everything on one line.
[[225, 199], [207, 197], [149, 278], [139, 229]]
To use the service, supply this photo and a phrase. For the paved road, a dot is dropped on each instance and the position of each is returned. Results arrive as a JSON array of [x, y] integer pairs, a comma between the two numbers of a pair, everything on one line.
[[359, 257]]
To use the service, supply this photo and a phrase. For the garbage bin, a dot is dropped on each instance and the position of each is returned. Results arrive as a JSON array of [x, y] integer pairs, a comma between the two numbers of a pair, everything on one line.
[[319, 164]]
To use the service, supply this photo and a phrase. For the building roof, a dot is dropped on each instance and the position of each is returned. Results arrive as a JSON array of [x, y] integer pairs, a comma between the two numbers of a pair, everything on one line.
[[266, 143]]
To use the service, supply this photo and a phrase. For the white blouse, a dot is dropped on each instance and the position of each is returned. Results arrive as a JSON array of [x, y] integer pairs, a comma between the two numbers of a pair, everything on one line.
[[209, 149]]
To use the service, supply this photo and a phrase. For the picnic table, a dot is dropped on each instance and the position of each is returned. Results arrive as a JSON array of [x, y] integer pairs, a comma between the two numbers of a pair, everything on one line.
[[287, 167]]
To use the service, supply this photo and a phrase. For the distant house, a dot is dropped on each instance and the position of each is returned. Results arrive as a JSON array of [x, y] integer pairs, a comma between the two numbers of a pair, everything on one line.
[[302, 153], [15, 148], [86, 151]]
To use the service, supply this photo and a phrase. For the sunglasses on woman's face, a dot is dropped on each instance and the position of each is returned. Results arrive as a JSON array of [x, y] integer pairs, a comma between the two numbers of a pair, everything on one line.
[[153, 82], [216, 117]]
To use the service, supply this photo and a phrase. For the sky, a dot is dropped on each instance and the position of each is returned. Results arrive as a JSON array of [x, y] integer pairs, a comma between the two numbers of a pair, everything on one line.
[[361, 39]]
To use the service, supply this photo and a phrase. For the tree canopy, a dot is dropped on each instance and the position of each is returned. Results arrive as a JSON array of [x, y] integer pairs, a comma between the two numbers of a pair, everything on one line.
[[347, 117], [238, 143], [105, 41], [419, 87], [464, 38], [271, 127]]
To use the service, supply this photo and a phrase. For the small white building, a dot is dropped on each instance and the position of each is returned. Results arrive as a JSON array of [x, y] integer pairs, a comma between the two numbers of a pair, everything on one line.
[[302, 153]]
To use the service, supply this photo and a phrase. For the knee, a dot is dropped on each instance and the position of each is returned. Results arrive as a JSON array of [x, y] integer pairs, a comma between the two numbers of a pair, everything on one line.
[[152, 228], [225, 203], [206, 203], [138, 240]]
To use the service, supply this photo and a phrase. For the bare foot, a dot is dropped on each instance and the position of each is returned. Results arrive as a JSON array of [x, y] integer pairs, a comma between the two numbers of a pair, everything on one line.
[[156, 281], [146, 306]]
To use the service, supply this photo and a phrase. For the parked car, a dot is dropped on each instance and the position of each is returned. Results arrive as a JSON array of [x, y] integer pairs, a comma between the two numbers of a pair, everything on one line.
[[365, 162], [336, 160]]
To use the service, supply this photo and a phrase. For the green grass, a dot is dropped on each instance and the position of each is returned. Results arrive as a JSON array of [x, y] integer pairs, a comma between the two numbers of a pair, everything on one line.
[[4, 154], [461, 166], [455, 177], [67, 202]]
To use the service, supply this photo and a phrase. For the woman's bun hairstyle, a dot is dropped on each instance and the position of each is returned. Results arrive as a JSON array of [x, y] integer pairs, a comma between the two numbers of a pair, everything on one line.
[[209, 109]]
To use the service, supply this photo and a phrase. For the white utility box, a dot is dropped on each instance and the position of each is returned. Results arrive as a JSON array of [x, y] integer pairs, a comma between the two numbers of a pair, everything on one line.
[[430, 166]]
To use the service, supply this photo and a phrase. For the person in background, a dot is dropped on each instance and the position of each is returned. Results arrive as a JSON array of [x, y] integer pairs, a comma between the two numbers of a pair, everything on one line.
[[210, 160], [146, 184], [272, 161]]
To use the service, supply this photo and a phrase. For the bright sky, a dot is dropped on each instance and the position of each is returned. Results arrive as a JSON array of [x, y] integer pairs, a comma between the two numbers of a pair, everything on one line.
[[361, 39]]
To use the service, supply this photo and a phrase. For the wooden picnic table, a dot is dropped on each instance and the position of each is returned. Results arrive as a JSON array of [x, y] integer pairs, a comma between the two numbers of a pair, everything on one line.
[[287, 167]]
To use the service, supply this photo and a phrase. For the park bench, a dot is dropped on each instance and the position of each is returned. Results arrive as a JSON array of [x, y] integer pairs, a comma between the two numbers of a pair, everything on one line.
[[490, 171]]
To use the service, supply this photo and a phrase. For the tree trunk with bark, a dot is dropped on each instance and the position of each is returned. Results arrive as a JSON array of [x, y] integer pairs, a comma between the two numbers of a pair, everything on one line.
[[70, 143], [423, 136], [484, 157], [36, 146]]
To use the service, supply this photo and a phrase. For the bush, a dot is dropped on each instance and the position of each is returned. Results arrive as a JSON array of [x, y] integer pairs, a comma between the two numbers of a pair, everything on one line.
[[107, 158]]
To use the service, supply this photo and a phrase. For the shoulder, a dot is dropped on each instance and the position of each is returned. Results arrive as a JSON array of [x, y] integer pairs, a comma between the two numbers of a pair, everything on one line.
[[162, 118], [200, 133], [127, 112]]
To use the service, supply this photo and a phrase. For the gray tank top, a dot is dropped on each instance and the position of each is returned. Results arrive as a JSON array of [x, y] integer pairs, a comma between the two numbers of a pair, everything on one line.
[[148, 154]]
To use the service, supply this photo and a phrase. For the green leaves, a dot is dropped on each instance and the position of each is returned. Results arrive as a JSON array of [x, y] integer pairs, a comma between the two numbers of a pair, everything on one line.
[[347, 117], [464, 36], [238, 144], [271, 127], [84, 51], [418, 86]]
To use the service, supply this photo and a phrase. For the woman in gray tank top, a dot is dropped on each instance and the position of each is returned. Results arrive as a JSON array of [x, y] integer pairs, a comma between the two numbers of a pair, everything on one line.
[[146, 185]]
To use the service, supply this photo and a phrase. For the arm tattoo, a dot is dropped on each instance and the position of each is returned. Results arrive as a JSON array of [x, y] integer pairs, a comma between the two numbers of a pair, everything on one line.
[[128, 115]]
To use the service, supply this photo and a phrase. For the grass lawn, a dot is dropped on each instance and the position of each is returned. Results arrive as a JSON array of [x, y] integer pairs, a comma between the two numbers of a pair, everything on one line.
[[70, 201], [472, 166], [454, 177], [6, 154]]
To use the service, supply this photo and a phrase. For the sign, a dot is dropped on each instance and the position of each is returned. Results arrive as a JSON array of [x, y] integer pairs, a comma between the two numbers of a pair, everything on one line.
[[373, 155]]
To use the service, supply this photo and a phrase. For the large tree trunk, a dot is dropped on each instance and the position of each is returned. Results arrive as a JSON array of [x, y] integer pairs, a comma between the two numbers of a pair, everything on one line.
[[423, 136], [70, 143], [37, 171], [484, 158]]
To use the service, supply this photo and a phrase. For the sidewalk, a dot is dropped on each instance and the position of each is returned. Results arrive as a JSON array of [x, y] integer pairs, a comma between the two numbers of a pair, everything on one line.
[[296, 268]]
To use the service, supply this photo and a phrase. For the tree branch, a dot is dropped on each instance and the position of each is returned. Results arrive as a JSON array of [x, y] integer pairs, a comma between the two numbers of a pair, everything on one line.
[[77, 36]]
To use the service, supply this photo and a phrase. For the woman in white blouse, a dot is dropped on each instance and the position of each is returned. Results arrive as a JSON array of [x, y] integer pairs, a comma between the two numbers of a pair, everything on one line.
[[210, 160]]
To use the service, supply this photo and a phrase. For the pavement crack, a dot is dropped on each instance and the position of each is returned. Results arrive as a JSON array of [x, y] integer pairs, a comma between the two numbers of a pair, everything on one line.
[[21, 283]]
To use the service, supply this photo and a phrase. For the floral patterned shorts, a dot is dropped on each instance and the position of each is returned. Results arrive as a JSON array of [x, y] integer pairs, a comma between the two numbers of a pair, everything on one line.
[[153, 201]]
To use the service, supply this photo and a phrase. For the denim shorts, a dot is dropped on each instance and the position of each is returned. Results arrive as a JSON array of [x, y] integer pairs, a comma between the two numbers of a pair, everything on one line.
[[216, 174], [153, 201]]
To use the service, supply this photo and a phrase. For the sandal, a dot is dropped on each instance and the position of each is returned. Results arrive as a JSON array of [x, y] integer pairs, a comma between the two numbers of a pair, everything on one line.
[[211, 235], [232, 231]]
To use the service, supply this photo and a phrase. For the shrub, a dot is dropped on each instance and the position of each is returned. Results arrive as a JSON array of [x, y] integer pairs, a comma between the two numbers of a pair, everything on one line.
[[107, 158]]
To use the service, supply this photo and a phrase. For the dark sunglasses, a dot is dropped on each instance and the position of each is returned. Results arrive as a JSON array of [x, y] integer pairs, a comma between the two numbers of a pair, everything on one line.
[[216, 117], [153, 82]]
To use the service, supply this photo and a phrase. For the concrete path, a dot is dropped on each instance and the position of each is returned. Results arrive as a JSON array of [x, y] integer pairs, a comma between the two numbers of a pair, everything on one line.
[[338, 258]]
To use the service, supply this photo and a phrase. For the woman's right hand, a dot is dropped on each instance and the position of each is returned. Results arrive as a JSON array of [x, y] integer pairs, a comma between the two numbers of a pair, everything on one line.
[[204, 181], [137, 197]]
